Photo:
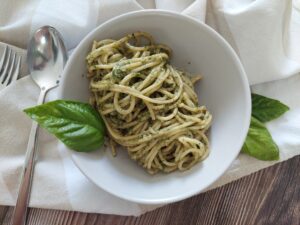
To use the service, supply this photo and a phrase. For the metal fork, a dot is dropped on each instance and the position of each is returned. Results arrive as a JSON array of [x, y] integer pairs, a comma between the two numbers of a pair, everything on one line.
[[9, 67]]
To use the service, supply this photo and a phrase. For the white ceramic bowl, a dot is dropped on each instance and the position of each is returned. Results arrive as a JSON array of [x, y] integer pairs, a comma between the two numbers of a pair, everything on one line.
[[224, 90]]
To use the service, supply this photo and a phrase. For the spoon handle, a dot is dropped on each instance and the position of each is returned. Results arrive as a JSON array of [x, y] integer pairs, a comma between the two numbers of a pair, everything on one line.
[[20, 212]]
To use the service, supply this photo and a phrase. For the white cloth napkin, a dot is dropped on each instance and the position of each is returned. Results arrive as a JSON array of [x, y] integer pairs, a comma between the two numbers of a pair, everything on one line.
[[264, 33]]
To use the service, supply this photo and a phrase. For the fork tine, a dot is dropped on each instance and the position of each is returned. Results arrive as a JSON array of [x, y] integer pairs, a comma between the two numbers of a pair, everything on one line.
[[3, 57], [16, 71], [4, 71], [10, 71]]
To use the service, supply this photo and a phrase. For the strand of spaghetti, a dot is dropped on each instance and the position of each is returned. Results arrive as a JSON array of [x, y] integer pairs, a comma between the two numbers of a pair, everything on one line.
[[131, 91]]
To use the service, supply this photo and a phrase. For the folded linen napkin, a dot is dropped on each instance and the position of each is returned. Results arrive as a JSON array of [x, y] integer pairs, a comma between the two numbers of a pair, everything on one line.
[[263, 33]]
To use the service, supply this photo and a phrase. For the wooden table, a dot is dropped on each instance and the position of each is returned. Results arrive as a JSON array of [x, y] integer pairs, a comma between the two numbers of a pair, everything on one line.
[[270, 196]]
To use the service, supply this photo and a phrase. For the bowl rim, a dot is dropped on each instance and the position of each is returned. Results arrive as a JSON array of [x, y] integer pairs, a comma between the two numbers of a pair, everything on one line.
[[245, 123]]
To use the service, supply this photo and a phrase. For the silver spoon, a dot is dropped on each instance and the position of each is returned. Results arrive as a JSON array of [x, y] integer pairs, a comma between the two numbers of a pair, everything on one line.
[[46, 57]]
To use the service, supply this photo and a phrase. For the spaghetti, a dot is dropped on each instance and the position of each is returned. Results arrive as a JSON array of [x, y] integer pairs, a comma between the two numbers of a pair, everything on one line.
[[148, 106]]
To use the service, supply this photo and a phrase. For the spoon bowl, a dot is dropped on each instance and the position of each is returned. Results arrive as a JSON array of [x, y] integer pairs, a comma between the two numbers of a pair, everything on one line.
[[46, 57]]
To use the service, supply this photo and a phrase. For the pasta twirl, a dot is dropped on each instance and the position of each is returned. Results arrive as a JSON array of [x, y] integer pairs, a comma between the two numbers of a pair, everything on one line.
[[149, 107]]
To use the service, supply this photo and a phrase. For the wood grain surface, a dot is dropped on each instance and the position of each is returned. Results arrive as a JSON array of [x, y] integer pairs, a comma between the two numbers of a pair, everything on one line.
[[270, 196]]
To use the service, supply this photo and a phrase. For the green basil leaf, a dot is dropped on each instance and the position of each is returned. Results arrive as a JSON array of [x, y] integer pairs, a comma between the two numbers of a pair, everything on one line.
[[78, 125], [259, 142], [266, 109]]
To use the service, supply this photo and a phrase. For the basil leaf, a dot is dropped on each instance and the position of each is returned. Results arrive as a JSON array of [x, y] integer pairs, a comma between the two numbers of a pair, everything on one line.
[[259, 142], [265, 109], [77, 125]]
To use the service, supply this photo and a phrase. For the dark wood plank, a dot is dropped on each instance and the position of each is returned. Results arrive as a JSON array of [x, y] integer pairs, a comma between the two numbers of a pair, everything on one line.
[[3, 211], [270, 196]]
